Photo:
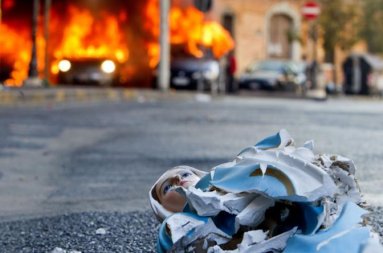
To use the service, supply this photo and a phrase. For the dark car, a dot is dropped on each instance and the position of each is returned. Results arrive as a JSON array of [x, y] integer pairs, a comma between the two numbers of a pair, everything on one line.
[[273, 75], [188, 72], [103, 72], [194, 73]]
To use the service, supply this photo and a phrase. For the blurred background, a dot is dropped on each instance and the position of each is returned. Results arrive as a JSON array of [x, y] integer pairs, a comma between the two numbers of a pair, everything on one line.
[[227, 45]]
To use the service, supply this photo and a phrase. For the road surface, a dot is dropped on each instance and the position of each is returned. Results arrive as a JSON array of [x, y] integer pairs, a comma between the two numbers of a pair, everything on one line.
[[87, 157]]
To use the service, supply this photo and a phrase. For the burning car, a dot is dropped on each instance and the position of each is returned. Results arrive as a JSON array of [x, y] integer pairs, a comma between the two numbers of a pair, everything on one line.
[[82, 30], [103, 72]]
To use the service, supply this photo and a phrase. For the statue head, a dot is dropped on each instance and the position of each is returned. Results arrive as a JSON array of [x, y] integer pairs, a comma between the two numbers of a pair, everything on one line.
[[164, 200]]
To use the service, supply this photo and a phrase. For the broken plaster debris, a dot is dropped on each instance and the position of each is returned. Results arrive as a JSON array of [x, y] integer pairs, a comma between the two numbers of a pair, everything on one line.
[[101, 231], [271, 197], [61, 250]]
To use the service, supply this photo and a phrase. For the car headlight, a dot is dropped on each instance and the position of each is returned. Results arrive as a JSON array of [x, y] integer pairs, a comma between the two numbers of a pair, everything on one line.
[[64, 65], [108, 66], [212, 73]]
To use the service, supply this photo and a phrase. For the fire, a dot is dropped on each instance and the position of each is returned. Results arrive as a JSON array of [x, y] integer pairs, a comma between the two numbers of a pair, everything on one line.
[[80, 33], [9, 44], [82, 37], [8, 4], [16, 48], [16, 51], [188, 27], [86, 37]]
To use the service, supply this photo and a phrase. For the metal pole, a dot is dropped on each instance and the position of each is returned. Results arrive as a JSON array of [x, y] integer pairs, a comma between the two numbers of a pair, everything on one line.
[[33, 73], [315, 56], [46, 35], [164, 74]]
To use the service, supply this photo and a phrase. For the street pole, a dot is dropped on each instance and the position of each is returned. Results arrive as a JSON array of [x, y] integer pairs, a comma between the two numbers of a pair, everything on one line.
[[46, 35], [33, 73], [164, 74], [314, 69], [311, 10]]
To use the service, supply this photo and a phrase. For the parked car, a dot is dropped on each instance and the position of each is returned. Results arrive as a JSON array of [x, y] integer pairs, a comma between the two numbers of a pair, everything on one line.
[[188, 72], [100, 71], [193, 73], [273, 75]]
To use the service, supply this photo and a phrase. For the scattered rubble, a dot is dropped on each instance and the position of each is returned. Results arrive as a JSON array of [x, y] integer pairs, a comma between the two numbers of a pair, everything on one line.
[[272, 197], [101, 231]]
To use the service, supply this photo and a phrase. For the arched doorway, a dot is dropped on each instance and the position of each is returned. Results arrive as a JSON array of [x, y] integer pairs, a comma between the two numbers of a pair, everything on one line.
[[281, 27]]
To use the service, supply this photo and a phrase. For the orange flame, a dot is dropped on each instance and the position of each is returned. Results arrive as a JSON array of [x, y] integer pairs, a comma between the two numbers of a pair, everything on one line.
[[83, 35], [86, 37], [188, 27], [16, 50], [8, 4]]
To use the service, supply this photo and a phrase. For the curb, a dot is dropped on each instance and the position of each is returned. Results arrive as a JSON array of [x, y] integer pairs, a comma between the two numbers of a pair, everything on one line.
[[42, 96], [59, 95], [316, 95], [319, 95]]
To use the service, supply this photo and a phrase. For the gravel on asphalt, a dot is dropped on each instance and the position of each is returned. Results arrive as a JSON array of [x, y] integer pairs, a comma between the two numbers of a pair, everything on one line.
[[375, 219], [96, 232], [81, 232]]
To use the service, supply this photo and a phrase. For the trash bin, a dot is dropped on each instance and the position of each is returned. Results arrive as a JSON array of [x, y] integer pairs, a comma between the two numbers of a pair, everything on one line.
[[362, 72]]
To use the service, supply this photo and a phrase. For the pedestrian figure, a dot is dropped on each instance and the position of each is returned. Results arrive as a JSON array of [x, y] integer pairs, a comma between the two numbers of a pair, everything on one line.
[[231, 68]]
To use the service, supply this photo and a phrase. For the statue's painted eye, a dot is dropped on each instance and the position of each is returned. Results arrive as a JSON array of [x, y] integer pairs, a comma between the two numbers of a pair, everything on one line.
[[185, 174], [167, 188]]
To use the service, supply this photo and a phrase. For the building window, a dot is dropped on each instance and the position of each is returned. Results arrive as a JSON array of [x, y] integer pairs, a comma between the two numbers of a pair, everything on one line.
[[228, 23], [279, 44]]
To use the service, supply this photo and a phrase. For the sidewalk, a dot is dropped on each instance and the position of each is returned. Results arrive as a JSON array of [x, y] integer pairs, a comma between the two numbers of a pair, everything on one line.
[[319, 95], [40, 96], [60, 95]]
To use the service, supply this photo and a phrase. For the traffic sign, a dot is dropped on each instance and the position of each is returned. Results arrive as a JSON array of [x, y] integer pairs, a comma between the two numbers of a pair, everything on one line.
[[311, 10]]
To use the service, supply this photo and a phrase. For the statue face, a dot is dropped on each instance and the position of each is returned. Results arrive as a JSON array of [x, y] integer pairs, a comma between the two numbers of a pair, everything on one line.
[[170, 199]]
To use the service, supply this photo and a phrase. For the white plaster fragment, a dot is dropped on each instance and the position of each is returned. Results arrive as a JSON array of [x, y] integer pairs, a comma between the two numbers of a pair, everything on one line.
[[373, 245], [184, 230], [58, 250], [254, 213], [211, 203], [309, 145], [101, 231], [263, 167], [257, 244]]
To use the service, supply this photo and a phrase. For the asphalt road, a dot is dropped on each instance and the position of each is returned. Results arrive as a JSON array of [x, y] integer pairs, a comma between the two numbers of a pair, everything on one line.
[[104, 156], [86, 157]]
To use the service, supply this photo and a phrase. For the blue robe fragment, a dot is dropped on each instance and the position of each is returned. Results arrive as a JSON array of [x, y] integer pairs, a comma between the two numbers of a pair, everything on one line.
[[305, 196]]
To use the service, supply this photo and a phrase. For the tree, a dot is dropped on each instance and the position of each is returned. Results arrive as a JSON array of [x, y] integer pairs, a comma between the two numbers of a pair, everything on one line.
[[372, 31], [340, 23]]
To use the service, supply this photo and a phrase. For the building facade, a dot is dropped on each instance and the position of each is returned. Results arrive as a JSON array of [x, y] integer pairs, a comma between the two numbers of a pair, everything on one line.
[[262, 28]]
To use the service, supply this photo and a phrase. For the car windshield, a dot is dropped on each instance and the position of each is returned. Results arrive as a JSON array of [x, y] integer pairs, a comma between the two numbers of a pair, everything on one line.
[[275, 66], [181, 59], [86, 62], [297, 66]]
